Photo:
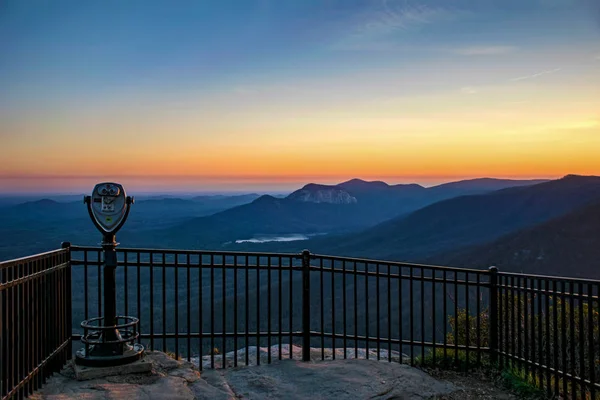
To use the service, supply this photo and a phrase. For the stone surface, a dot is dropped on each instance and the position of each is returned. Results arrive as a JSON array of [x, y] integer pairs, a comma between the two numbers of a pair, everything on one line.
[[340, 379], [315, 354], [285, 379], [83, 373]]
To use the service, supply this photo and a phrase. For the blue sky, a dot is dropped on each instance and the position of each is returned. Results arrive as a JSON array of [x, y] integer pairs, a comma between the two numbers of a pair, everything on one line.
[[74, 69]]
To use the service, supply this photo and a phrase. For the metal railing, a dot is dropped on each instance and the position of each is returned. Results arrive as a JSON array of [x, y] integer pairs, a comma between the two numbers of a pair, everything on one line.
[[223, 309], [35, 321], [203, 303], [549, 333]]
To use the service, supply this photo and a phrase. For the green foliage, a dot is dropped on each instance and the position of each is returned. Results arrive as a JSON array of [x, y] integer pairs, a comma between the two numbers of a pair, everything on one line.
[[519, 383], [561, 332], [464, 330], [566, 329]]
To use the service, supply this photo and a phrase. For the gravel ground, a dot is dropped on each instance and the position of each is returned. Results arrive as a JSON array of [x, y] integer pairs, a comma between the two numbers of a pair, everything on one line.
[[476, 385]]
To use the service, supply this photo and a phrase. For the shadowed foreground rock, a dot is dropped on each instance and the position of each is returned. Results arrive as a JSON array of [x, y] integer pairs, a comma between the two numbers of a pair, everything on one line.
[[287, 379]]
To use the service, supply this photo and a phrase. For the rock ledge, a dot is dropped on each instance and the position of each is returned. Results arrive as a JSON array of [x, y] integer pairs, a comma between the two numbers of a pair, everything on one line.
[[289, 379]]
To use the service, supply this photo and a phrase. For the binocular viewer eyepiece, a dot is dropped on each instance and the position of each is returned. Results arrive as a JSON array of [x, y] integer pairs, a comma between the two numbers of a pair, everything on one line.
[[108, 207]]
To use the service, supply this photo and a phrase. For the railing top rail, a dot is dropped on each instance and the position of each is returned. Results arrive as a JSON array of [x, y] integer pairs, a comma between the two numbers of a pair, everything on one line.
[[26, 259], [400, 264], [190, 252], [550, 277]]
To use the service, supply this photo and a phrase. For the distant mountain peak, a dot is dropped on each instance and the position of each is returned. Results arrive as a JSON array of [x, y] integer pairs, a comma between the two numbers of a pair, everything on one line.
[[356, 182], [265, 198], [579, 177], [41, 203], [314, 193]]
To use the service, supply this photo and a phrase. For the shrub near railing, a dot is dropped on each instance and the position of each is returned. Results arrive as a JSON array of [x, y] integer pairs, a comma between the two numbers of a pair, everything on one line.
[[569, 329]]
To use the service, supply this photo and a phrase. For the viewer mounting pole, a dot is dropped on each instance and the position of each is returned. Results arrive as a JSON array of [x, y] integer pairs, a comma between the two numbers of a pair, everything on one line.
[[109, 340]]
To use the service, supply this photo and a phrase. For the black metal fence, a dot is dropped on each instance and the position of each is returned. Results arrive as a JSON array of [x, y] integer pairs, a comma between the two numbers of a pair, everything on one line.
[[224, 309], [220, 305], [35, 321], [549, 333]]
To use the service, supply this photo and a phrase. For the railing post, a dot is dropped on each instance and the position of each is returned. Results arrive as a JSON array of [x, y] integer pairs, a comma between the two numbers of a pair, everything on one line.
[[493, 315], [69, 300], [306, 305]]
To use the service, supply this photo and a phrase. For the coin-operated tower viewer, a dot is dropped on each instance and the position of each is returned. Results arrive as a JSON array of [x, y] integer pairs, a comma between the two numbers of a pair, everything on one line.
[[110, 339]]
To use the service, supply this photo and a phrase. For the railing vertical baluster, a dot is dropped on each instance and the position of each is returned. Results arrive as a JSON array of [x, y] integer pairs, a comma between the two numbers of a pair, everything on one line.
[[188, 306], [139, 296], [526, 325], [455, 317], [514, 364], [39, 323], [422, 315], [555, 337], [125, 283], [540, 341], [201, 310], [247, 309], [433, 317], [306, 305], [591, 351], [164, 301], [269, 309], [212, 311], [478, 311], [99, 259], [445, 314], [3, 326], [520, 349], [572, 339], [28, 318], [224, 306], [322, 303], [467, 320], [581, 328], [412, 316], [291, 296], [85, 285], [547, 338], [12, 325], [344, 306], [25, 367], [493, 316], [355, 298], [280, 302], [151, 254], [257, 310], [176, 270], [235, 311], [367, 308], [333, 309], [389, 312], [378, 315], [563, 342], [18, 305]]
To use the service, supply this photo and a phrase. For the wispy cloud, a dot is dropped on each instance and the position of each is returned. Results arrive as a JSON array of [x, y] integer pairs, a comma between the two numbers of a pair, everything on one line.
[[469, 90], [484, 50], [392, 17], [536, 75], [376, 27]]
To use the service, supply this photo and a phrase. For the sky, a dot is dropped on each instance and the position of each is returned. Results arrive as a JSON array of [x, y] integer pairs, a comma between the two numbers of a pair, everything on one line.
[[250, 95]]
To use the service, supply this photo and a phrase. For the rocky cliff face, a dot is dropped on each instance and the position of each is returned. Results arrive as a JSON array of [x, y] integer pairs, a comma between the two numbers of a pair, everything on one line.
[[322, 194]]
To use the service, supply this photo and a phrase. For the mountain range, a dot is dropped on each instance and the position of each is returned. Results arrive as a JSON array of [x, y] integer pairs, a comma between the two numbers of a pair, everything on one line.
[[530, 226], [568, 245], [321, 209]]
